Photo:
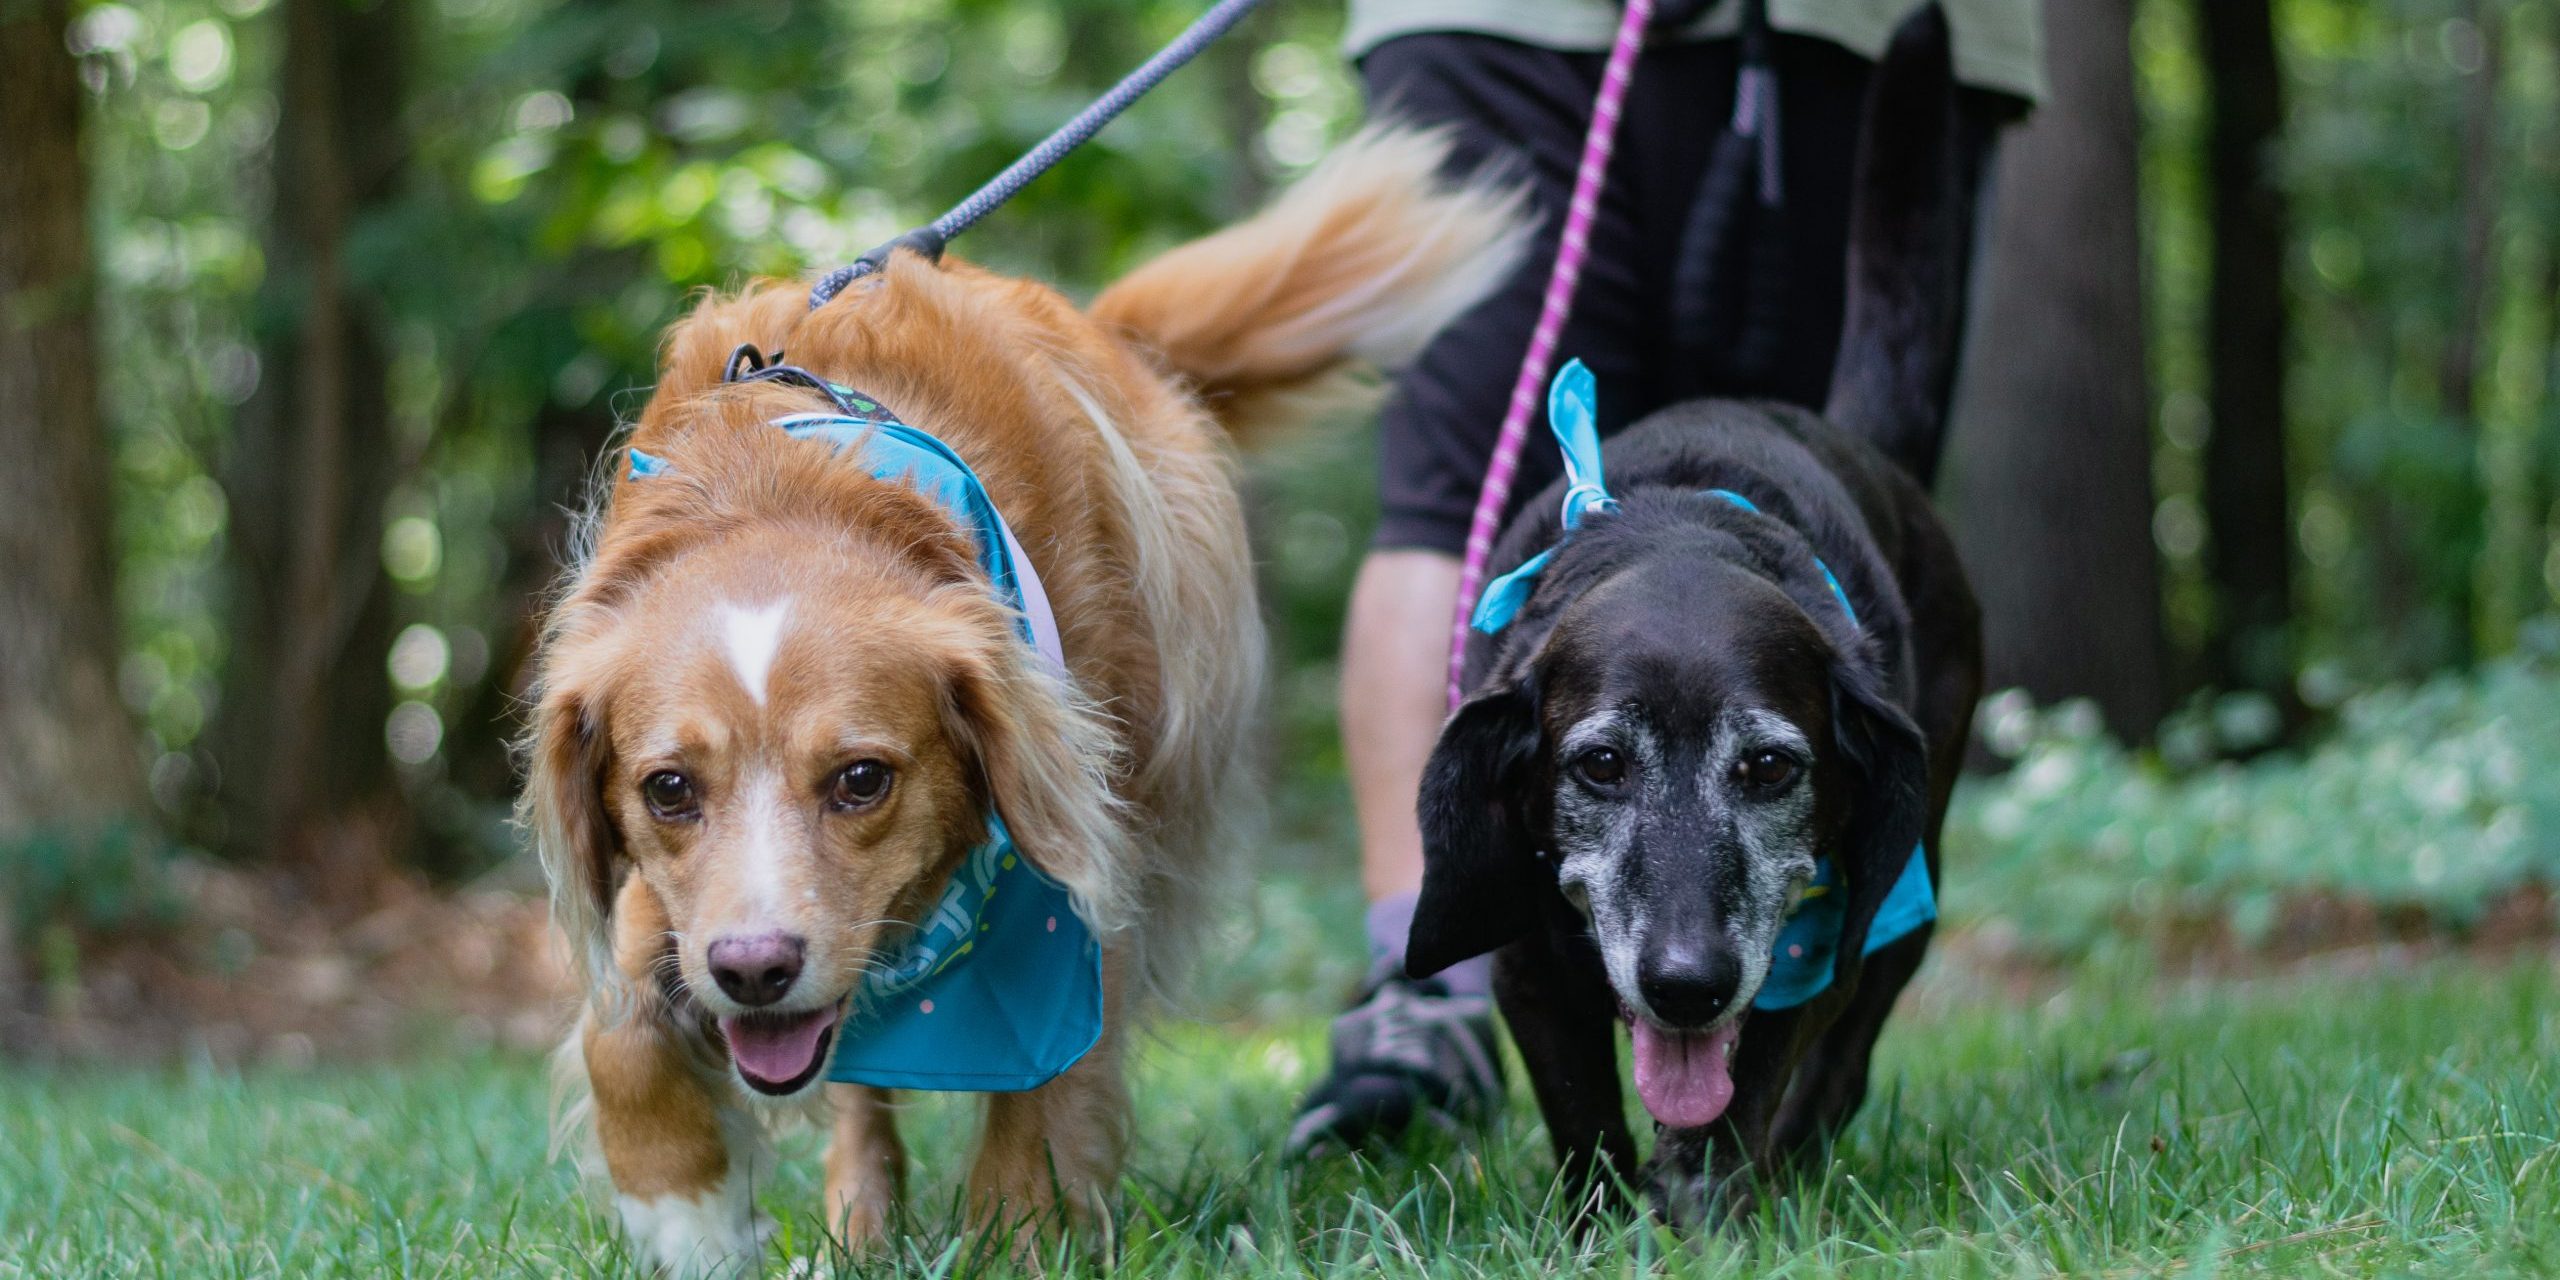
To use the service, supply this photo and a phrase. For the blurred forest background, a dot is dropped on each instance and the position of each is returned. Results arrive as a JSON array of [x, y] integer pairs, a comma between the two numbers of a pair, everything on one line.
[[316, 315]]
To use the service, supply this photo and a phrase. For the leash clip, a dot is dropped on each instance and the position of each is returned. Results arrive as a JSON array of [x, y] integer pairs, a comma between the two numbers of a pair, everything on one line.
[[746, 362], [925, 242]]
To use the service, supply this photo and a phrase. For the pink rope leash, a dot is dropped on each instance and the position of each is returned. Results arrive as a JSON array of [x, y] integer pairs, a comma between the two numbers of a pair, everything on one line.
[[1597, 143]]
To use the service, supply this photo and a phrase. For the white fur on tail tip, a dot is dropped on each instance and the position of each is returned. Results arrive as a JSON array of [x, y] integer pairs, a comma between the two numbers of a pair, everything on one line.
[[1365, 258], [1456, 244]]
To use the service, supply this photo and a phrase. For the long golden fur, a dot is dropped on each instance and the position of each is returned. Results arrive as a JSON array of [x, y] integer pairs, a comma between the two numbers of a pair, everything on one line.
[[764, 613]]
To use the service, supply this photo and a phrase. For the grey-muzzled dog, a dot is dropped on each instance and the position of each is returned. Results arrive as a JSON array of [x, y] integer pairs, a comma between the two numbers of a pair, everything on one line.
[[1764, 655]]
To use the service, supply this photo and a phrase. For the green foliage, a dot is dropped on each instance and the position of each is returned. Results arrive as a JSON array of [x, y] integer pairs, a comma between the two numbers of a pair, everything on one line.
[[1314, 505], [89, 881], [2334, 1126], [578, 170], [2429, 802], [2427, 535]]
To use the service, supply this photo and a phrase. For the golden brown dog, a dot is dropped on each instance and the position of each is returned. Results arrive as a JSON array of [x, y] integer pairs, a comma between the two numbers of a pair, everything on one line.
[[778, 698]]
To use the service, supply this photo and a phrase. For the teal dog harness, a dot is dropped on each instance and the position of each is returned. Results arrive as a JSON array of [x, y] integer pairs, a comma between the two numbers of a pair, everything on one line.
[[1808, 942], [1000, 987]]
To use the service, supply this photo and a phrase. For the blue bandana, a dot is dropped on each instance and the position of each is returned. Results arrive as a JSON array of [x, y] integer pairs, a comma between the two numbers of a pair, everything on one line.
[[1801, 965], [1000, 988]]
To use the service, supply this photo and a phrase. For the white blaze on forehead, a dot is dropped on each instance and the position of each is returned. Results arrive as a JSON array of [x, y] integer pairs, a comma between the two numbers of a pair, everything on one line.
[[752, 636]]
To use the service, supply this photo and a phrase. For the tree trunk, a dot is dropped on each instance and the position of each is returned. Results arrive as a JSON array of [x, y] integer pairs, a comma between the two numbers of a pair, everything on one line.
[[66, 748], [2050, 473], [2458, 377], [305, 776], [68, 767], [2247, 500]]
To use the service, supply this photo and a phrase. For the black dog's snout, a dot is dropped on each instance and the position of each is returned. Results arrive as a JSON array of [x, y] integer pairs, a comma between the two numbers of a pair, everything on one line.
[[1686, 984], [757, 970]]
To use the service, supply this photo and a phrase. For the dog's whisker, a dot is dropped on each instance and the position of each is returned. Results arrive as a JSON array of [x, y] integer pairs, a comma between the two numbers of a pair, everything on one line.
[[883, 922]]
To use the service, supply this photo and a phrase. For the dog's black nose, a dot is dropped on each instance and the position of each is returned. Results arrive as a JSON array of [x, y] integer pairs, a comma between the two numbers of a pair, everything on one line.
[[1687, 984], [756, 970]]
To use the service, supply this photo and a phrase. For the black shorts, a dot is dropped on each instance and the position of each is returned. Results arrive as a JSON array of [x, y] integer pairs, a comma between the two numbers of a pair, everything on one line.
[[1526, 107]]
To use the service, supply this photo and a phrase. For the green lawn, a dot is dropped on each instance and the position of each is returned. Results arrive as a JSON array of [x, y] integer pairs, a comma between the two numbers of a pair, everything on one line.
[[2391, 1122]]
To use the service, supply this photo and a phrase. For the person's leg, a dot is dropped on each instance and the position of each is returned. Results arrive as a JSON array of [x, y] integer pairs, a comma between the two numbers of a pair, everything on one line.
[[1404, 1048], [1395, 659]]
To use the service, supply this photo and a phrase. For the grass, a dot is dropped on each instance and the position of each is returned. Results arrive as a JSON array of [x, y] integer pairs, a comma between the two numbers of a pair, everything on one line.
[[2393, 1122]]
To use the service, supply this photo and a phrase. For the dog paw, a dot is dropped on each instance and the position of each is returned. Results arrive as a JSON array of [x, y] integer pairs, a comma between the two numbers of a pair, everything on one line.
[[858, 1218], [1694, 1184], [717, 1235], [1676, 1189]]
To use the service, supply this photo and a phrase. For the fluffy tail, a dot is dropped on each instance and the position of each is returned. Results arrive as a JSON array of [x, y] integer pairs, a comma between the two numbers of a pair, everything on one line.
[[1908, 231], [1362, 260]]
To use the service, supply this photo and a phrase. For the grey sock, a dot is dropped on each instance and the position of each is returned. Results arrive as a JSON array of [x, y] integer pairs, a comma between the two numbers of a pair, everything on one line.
[[1390, 919]]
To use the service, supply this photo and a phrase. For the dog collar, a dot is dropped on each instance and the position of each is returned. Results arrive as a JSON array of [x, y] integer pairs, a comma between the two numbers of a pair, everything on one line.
[[1800, 965], [1000, 987], [1572, 414]]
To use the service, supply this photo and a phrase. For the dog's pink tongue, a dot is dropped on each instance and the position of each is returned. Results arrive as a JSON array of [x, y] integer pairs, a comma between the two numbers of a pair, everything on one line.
[[777, 1048], [1685, 1077]]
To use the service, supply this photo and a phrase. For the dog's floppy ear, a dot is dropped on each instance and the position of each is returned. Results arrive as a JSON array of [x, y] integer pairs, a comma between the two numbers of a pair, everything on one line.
[[1480, 875], [563, 806], [1888, 766], [1045, 758]]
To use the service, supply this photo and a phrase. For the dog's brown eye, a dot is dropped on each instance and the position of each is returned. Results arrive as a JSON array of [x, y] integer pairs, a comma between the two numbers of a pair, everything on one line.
[[1601, 767], [1765, 770], [859, 785], [668, 794]]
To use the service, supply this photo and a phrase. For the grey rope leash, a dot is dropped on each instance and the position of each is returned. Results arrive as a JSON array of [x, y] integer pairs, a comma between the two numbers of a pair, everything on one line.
[[929, 239]]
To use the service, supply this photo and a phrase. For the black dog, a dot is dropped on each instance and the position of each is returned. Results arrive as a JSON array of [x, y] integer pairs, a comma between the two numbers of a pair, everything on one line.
[[1766, 653]]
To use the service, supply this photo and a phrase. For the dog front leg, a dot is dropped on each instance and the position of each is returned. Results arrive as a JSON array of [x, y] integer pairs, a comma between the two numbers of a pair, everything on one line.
[[684, 1159], [1049, 1157], [866, 1165], [1562, 1018], [683, 1155], [1694, 1174], [1831, 1084]]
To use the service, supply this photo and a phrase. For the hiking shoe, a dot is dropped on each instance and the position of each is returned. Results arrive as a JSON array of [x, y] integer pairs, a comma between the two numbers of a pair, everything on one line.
[[1408, 1049]]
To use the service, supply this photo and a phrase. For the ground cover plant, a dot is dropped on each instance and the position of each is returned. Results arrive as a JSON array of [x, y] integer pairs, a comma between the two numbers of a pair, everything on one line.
[[2399, 1120], [2427, 810]]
